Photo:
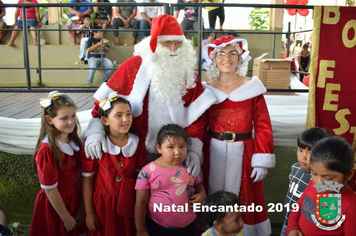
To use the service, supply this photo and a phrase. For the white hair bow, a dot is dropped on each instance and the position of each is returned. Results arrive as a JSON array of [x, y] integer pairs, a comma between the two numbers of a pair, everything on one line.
[[46, 102], [105, 104]]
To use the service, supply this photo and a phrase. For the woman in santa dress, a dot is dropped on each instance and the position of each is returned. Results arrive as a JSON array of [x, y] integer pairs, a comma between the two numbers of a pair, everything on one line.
[[234, 159]]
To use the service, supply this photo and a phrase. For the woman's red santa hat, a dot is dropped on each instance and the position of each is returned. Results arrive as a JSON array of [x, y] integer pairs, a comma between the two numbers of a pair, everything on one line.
[[164, 27], [221, 43]]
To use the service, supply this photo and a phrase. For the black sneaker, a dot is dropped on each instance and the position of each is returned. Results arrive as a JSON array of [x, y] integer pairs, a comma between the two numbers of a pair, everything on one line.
[[86, 62]]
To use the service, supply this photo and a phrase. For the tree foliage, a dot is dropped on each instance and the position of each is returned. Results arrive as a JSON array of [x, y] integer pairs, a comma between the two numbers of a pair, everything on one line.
[[259, 18]]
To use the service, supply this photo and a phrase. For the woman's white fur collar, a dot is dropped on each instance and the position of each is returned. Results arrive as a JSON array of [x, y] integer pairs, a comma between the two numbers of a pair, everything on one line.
[[246, 91]]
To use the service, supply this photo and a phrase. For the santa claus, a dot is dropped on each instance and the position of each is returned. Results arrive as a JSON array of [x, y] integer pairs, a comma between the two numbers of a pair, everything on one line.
[[162, 87]]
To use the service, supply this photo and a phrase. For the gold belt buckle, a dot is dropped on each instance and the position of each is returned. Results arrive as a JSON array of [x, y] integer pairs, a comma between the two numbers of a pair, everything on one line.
[[233, 136]]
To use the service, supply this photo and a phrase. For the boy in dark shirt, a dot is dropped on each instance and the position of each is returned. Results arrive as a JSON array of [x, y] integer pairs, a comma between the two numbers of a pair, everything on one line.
[[94, 46], [299, 176], [86, 34]]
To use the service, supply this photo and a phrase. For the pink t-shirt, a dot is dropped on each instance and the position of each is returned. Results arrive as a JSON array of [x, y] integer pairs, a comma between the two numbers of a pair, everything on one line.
[[30, 12], [168, 187]]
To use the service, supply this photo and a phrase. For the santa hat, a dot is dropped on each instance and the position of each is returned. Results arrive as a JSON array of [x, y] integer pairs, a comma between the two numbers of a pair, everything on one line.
[[164, 27], [223, 42]]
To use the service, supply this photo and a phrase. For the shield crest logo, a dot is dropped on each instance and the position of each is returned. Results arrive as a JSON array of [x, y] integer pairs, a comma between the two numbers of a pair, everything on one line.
[[328, 208]]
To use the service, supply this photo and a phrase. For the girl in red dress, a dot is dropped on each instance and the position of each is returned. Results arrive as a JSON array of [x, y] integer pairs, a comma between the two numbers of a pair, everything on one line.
[[108, 183], [56, 161]]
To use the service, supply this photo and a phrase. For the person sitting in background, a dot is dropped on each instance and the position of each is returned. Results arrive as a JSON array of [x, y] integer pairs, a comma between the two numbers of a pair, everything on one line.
[[191, 17], [103, 15], [86, 34], [95, 54], [214, 12], [2, 22], [178, 8], [77, 12], [209, 37], [147, 14], [304, 59], [32, 20], [125, 16]]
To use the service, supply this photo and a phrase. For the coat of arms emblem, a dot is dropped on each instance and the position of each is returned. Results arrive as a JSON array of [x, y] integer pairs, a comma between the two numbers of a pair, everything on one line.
[[328, 206]]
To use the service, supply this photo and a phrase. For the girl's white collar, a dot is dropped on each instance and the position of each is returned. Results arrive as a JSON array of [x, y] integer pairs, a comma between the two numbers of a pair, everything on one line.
[[128, 150], [67, 148]]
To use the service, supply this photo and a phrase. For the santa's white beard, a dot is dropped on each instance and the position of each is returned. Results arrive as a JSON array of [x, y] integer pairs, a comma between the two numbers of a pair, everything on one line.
[[173, 73]]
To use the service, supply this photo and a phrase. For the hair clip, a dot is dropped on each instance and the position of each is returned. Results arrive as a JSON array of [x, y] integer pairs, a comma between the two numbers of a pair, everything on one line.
[[46, 102], [105, 105]]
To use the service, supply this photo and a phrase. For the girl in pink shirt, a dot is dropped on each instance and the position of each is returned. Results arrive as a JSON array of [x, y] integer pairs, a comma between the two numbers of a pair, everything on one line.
[[32, 20], [166, 187]]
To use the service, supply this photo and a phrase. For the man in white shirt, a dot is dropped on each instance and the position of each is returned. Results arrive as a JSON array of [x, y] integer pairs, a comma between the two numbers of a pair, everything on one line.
[[147, 13]]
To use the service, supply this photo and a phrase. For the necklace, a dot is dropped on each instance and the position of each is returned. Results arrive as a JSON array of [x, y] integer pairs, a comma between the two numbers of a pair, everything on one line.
[[227, 85]]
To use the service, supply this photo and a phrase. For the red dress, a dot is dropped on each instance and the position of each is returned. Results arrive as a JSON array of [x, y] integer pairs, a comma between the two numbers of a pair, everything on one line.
[[45, 220], [107, 189], [241, 111]]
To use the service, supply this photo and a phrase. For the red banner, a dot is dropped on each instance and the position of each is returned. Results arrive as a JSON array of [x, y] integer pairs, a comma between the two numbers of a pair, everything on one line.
[[332, 91]]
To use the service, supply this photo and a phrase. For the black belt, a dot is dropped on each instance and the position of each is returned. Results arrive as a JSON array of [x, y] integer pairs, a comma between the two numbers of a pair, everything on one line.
[[229, 136]]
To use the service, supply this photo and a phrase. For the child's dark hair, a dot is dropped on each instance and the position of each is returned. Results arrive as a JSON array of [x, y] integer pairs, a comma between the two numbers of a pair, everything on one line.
[[86, 16], [208, 33], [171, 130], [219, 198], [53, 133], [311, 136], [335, 153], [96, 29], [107, 112]]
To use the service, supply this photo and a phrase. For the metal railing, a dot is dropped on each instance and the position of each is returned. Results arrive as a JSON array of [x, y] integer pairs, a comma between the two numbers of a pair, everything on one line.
[[168, 8]]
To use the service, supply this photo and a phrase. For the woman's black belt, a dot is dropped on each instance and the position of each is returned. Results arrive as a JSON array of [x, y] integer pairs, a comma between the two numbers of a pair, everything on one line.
[[229, 136]]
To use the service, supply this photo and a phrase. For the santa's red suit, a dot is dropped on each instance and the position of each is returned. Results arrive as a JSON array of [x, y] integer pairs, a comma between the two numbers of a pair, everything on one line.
[[150, 114]]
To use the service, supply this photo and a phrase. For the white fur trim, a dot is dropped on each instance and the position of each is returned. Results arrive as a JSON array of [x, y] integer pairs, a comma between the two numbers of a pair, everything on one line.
[[170, 37], [49, 187], [225, 158], [128, 150], [246, 91], [265, 160], [196, 146], [94, 126], [139, 90], [260, 229], [102, 92], [88, 174], [185, 116]]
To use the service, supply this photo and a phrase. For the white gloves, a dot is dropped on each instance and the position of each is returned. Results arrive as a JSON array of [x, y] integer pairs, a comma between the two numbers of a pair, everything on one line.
[[260, 173], [193, 162], [93, 146], [94, 138]]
